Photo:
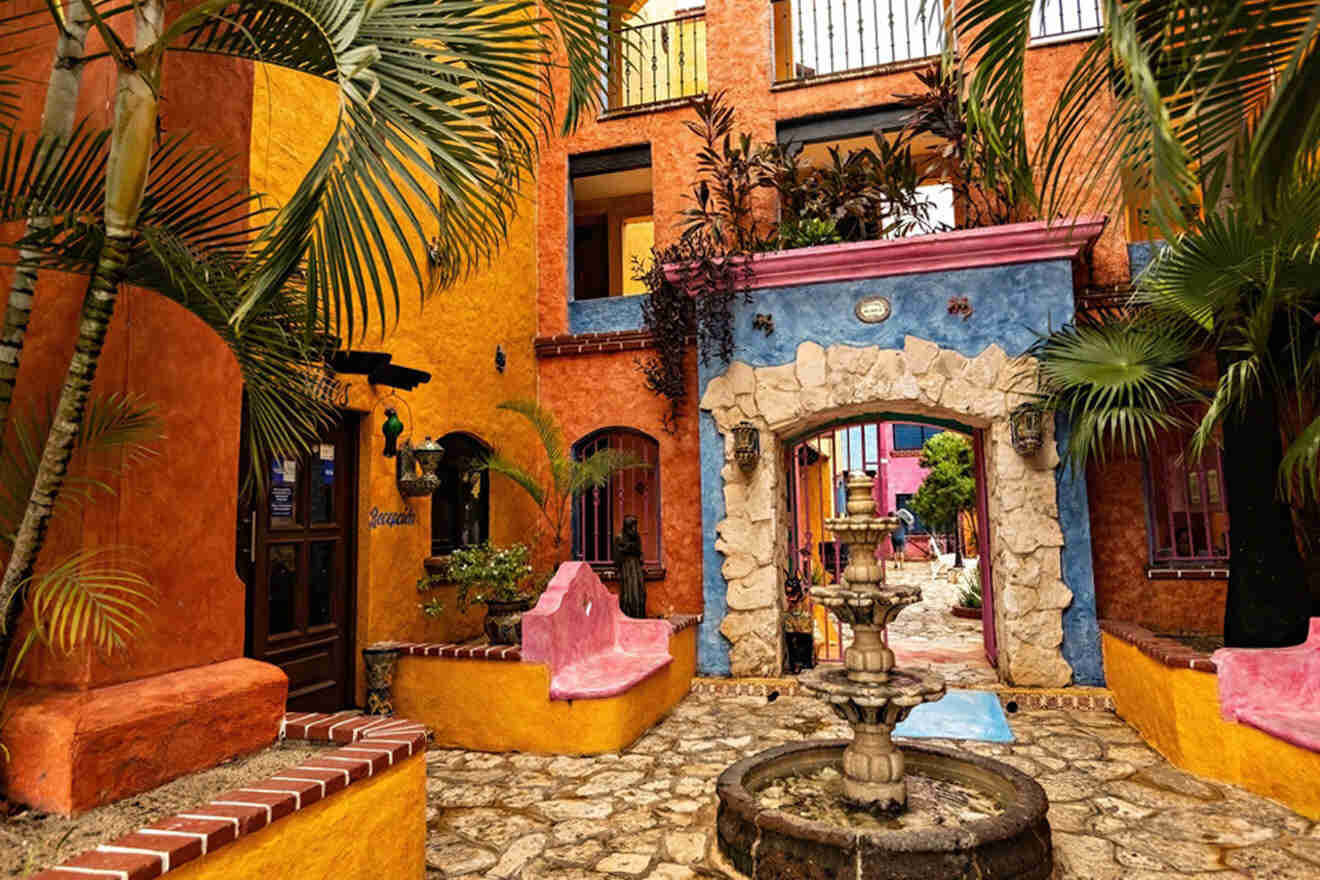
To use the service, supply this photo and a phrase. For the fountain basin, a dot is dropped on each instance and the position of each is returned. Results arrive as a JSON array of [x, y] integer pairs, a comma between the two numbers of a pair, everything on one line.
[[768, 843]]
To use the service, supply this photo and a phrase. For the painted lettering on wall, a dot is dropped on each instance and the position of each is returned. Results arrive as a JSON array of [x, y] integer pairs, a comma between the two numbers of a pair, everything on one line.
[[390, 518]]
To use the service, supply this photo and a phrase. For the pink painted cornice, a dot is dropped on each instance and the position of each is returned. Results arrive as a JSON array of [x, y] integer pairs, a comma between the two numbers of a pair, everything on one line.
[[941, 252]]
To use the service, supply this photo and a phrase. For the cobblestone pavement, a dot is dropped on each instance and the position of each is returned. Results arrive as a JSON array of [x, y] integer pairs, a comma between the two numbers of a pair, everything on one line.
[[1118, 809]]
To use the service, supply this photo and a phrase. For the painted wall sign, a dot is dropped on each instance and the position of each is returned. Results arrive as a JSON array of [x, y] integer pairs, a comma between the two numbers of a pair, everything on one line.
[[872, 309], [390, 519]]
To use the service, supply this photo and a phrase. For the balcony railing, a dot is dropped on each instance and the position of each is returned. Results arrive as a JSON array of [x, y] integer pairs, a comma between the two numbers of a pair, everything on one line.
[[658, 61], [816, 38], [1065, 19]]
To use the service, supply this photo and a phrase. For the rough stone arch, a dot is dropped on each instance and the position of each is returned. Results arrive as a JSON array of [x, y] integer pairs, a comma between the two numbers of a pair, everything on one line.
[[824, 385]]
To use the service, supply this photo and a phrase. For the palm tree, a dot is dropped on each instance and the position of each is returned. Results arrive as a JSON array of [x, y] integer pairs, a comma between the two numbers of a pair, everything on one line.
[[1193, 104], [442, 106], [570, 476]]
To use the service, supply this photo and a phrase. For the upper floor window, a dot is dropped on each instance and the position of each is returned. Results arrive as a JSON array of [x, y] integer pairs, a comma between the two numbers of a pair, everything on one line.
[[910, 438], [824, 37], [598, 514], [1186, 504], [460, 507], [1065, 19], [657, 54], [613, 227]]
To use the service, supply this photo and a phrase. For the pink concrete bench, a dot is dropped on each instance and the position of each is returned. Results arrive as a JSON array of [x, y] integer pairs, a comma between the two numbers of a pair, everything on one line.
[[1275, 690], [592, 649]]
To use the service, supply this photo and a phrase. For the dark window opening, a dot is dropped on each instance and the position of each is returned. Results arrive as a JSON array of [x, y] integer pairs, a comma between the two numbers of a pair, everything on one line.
[[598, 513], [908, 438], [613, 228], [460, 507], [1186, 504]]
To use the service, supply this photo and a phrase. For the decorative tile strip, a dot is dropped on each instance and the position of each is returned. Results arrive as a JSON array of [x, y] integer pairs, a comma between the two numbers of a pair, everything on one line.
[[377, 743], [591, 343], [745, 687], [1067, 699], [1170, 652], [452, 651], [680, 622]]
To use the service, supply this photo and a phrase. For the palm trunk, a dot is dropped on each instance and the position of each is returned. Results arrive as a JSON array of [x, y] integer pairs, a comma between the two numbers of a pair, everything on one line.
[[56, 127], [1268, 599], [126, 176]]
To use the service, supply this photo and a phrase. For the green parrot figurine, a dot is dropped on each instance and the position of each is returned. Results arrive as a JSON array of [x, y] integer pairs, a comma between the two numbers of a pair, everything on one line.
[[392, 428]]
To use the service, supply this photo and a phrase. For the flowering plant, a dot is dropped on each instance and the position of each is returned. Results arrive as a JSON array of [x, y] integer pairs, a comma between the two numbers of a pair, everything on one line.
[[485, 573]]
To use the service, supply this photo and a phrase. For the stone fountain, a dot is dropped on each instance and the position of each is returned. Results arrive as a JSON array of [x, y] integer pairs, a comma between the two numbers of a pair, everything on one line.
[[841, 808]]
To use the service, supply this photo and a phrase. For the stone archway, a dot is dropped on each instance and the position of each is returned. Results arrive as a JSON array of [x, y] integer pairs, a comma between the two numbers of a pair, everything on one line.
[[922, 379]]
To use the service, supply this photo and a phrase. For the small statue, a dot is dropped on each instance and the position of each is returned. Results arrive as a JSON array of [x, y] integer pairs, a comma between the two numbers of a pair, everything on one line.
[[392, 428], [628, 560]]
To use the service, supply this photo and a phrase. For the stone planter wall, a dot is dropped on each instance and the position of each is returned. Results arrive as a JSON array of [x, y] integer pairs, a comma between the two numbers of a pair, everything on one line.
[[922, 379]]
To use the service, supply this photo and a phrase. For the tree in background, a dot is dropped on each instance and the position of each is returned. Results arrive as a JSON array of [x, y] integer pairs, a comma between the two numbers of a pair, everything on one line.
[[949, 487]]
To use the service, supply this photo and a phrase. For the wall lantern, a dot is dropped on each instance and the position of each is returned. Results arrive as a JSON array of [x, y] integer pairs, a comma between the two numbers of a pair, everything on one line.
[[1026, 432], [746, 445], [417, 468]]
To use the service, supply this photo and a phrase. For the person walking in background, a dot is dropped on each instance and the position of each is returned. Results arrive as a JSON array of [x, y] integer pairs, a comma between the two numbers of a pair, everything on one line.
[[899, 536]]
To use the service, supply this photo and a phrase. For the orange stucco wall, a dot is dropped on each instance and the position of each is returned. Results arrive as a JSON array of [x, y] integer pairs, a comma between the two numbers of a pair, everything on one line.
[[164, 511], [453, 336]]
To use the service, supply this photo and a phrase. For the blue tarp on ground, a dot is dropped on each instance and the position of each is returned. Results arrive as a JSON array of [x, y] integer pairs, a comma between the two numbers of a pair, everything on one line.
[[960, 715]]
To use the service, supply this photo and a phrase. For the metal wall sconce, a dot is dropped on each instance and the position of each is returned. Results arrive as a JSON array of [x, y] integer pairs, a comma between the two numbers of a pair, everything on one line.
[[746, 446], [1026, 429], [416, 474], [501, 359]]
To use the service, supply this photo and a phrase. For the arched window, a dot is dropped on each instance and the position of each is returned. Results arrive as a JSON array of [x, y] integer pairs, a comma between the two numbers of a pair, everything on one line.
[[460, 507], [598, 514]]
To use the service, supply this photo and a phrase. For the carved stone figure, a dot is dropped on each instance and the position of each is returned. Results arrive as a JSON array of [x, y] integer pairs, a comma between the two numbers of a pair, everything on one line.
[[628, 560]]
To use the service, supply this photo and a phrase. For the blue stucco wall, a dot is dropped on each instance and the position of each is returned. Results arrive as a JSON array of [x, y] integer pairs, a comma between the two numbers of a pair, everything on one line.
[[1081, 627], [605, 315], [1140, 253], [1011, 304]]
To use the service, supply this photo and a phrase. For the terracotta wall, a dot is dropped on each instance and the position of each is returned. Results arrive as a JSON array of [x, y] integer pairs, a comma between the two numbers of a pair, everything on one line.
[[604, 390], [1119, 543], [164, 512]]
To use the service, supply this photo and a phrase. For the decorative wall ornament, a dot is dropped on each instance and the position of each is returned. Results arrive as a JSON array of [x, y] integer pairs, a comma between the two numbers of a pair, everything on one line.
[[501, 359], [1025, 424], [392, 428], [873, 309], [961, 306], [764, 323], [417, 468], [746, 445]]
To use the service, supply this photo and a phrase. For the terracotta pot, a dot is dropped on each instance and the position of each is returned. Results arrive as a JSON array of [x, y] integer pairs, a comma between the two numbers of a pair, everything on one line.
[[503, 624], [965, 612]]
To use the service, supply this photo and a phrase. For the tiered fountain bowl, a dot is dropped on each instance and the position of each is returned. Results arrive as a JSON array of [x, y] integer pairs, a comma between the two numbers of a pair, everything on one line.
[[868, 808]]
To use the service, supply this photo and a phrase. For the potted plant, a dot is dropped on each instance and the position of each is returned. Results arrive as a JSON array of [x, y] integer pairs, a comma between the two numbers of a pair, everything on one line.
[[498, 577], [969, 598]]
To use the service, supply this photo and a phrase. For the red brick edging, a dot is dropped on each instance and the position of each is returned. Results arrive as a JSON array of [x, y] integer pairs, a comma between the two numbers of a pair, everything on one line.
[[512, 653], [372, 743], [1170, 652]]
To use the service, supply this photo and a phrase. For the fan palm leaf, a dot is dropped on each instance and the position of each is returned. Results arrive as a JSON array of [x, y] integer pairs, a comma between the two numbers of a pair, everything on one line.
[[442, 105]]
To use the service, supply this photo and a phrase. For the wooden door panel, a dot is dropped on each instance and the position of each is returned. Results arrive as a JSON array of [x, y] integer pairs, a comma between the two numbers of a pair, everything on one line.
[[301, 583]]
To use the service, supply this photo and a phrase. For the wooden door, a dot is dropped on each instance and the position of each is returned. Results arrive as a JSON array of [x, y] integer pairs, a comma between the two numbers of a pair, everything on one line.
[[300, 589]]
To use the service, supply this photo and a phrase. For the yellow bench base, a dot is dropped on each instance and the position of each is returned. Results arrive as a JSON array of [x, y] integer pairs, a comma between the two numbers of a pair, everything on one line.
[[495, 706], [1177, 712]]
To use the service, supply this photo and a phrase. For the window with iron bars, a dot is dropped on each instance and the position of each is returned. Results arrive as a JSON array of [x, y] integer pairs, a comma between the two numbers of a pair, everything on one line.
[[1065, 19], [598, 514], [1186, 504]]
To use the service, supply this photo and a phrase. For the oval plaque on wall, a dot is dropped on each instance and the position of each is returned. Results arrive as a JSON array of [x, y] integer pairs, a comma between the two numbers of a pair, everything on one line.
[[872, 309]]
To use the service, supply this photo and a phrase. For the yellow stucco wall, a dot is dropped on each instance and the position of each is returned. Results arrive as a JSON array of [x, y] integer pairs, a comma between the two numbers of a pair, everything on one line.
[[499, 707], [1177, 712], [373, 830], [453, 336]]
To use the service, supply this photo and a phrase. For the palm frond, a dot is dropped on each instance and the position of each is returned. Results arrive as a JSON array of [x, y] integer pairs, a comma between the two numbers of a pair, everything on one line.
[[442, 107], [545, 425], [504, 467], [1119, 384], [123, 423], [1299, 471], [595, 470], [9, 97], [85, 600]]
